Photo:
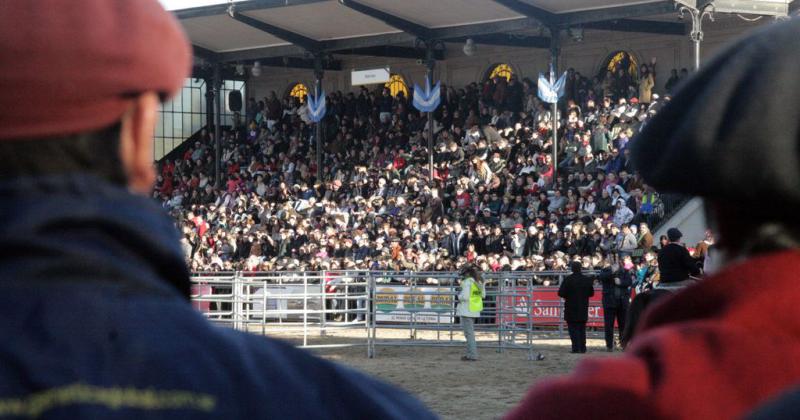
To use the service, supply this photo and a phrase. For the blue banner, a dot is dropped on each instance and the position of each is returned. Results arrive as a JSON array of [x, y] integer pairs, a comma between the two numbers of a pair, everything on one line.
[[427, 100], [316, 107], [551, 92]]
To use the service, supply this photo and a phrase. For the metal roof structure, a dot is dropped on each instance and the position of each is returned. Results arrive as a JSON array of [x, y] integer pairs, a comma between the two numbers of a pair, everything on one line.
[[292, 31], [310, 33]]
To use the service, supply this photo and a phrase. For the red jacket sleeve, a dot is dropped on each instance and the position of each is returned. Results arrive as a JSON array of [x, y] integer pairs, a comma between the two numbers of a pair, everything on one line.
[[598, 389]]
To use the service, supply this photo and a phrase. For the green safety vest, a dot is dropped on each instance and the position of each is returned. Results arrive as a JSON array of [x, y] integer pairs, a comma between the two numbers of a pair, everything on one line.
[[648, 203], [475, 297]]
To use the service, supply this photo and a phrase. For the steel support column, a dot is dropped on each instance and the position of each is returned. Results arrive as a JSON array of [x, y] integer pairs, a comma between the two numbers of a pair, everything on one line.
[[555, 51], [318, 74], [209, 81], [430, 46], [430, 64], [697, 15], [217, 92]]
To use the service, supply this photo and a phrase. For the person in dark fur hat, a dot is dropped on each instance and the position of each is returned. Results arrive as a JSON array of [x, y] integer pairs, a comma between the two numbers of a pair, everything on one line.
[[730, 135]]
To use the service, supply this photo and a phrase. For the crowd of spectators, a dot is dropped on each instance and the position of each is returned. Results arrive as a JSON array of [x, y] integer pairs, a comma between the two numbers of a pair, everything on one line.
[[494, 201]]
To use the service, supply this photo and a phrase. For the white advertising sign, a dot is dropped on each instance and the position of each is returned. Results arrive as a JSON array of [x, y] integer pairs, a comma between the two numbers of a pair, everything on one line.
[[370, 77], [277, 300]]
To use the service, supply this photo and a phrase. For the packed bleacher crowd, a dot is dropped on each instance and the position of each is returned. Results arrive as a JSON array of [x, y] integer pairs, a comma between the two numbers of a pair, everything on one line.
[[492, 202]]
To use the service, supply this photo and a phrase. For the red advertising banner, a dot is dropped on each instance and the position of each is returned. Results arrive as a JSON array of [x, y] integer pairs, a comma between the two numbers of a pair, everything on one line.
[[201, 289], [543, 306]]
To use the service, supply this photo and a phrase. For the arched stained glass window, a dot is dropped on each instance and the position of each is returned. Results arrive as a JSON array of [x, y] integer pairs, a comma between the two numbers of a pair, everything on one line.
[[502, 70], [397, 84], [625, 61], [299, 91]]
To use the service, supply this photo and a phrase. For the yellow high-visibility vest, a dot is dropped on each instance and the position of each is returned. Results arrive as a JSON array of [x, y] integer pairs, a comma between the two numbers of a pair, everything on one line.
[[475, 297]]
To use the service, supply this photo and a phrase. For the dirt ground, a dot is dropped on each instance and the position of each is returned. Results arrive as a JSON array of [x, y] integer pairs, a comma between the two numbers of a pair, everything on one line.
[[450, 387]]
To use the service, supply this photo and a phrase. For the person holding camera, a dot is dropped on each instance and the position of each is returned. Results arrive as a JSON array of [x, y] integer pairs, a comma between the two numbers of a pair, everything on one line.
[[616, 280], [470, 305]]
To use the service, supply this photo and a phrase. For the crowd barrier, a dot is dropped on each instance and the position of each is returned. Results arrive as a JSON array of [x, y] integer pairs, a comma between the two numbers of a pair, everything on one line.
[[414, 306]]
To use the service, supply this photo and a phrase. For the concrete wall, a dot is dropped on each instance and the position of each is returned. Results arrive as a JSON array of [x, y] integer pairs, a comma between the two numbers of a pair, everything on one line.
[[587, 56], [690, 220]]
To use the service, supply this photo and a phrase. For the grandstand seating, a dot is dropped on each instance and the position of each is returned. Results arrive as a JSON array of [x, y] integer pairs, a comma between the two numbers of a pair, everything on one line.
[[492, 201]]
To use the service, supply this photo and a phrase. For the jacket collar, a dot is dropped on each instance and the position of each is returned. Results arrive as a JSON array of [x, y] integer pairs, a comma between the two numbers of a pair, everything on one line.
[[81, 228]]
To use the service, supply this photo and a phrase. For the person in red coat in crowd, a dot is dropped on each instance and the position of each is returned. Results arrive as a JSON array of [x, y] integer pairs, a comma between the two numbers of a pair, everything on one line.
[[724, 347]]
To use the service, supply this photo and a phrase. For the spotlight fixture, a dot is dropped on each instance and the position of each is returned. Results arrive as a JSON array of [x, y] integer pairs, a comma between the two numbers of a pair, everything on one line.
[[256, 70], [576, 33], [470, 48]]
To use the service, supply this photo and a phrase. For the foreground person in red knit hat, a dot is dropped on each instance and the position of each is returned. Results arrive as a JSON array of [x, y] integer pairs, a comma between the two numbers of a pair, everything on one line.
[[728, 345], [95, 318]]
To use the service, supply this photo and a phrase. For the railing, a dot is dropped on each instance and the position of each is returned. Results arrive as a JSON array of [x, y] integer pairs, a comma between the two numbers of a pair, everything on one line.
[[672, 203], [305, 305], [177, 151]]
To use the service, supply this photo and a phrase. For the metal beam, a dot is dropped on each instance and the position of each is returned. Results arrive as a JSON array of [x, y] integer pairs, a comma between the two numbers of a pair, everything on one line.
[[207, 72], [641, 26], [242, 6], [493, 33], [284, 34], [504, 26], [529, 10], [392, 20], [472, 30], [205, 53], [391, 51], [229, 72], [615, 13], [263, 52], [507, 40], [299, 63]]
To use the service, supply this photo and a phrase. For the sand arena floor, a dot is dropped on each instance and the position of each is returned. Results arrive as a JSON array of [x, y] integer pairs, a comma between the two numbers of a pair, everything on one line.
[[438, 377]]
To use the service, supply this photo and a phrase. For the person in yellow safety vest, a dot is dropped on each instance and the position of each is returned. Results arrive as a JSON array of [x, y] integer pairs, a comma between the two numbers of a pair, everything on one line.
[[470, 305], [648, 210], [648, 202]]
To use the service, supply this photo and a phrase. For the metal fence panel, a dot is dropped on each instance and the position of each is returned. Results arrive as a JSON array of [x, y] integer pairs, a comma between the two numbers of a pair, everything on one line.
[[316, 303]]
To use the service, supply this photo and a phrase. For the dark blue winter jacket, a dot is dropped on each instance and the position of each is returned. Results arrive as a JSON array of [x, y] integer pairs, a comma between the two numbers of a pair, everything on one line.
[[95, 322]]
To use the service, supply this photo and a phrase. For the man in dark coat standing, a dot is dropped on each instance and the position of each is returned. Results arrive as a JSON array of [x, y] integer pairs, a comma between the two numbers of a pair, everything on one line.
[[616, 282], [458, 241], [576, 289], [674, 261]]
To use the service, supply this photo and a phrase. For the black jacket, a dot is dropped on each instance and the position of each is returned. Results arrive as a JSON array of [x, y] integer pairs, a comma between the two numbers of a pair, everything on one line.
[[576, 289], [536, 246], [675, 263], [457, 244], [616, 295]]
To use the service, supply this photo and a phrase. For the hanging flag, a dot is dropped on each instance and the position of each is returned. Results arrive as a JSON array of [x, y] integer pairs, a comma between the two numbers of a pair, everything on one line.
[[427, 100], [316, 107], [550, 90]]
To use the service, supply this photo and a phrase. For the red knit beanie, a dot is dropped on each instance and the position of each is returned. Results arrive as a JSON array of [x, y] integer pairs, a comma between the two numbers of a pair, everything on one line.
[[71, 66]]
